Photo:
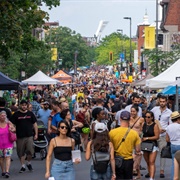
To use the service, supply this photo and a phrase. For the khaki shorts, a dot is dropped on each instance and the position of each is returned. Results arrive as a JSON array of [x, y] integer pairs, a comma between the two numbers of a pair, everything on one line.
[[25, 146]]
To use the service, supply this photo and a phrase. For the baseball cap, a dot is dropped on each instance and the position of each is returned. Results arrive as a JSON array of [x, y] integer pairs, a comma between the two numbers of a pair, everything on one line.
[[100, 127], [23, 102], [125, 115]]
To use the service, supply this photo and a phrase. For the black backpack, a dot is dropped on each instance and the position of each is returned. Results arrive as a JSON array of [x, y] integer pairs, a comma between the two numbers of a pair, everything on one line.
[[100, 161]]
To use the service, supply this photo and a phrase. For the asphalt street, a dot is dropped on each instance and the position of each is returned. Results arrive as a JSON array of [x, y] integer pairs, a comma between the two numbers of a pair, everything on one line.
[[82, 169]]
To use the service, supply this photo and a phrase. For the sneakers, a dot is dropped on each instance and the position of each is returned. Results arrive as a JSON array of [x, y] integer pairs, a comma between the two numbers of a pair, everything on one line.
[[7, 175], [22, 170], [3, 174], [29, 166], [147, 175]]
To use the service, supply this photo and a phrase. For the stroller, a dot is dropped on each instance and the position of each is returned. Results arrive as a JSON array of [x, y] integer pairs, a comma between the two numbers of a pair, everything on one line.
[[41, 143]]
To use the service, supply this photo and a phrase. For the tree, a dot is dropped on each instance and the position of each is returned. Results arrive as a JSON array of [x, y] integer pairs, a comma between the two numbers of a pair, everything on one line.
[[67, 42], [18, 19], [113, 43], [164, 59]]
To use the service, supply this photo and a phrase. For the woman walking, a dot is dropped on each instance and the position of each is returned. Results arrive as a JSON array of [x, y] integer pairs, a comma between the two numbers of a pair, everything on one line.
[[6, 146], [62, 145], [150, 135], [101, 143], [173, 136], [136, 123]]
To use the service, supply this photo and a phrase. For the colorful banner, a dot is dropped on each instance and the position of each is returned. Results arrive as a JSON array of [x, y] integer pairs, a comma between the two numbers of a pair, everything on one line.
[[54, 54], [149, 40]]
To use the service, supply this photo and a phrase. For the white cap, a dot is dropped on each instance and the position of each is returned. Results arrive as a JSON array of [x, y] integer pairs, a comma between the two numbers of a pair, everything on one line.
[[100, 127]]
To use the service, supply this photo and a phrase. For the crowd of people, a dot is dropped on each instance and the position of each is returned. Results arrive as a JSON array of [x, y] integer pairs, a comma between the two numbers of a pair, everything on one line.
[[100, 116]]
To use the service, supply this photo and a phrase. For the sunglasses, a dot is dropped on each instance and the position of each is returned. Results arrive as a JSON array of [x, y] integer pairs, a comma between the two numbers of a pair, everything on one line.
[[148, 117], [63, 127]]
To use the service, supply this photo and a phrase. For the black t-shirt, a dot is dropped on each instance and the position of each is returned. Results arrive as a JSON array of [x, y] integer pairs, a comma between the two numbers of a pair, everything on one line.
[[24, 123], [8, 112]]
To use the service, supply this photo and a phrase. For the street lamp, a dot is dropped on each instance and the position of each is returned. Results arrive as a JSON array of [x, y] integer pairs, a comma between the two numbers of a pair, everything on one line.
[[75, 62], [121, 58], [130, 58]]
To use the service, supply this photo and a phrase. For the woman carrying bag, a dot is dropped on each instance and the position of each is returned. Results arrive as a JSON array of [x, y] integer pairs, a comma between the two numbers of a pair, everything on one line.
[[100, 145], [150, 137], [173, 136], [62, 146], [6, 145]]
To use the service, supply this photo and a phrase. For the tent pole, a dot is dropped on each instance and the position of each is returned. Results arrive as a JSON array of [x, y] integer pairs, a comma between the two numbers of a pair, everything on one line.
[[177, 100], [177, 95]]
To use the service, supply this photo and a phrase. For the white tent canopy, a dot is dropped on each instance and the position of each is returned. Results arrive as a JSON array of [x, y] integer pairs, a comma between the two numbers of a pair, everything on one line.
[[40, 79], [165, 78]]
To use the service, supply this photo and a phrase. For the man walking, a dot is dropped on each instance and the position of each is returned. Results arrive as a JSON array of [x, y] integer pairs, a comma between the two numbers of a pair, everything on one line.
[[132, 141], [163, 114], [25, 121]]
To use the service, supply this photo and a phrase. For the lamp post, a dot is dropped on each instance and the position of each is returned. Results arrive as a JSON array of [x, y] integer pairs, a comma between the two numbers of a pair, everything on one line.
[[130, 57], [157, 41], [75, 62], [177, 94], [122, 49]]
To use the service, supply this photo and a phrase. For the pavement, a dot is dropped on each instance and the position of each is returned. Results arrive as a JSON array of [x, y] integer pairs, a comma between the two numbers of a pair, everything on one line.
[[82, 169]]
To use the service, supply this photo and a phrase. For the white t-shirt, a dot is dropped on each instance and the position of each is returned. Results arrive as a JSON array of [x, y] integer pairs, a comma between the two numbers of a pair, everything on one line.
[[163, 117], [173, 130], [117, 116]]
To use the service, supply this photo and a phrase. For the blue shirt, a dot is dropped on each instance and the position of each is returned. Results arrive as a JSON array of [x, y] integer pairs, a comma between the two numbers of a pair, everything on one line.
[[56, 119], [44, 115]]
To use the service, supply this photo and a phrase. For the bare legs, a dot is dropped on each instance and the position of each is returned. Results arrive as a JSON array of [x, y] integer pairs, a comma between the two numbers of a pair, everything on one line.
[[5, 164], [150, 158]]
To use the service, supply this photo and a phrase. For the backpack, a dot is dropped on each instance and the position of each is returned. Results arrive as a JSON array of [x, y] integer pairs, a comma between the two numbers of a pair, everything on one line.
[[80, 117], [100, 161]]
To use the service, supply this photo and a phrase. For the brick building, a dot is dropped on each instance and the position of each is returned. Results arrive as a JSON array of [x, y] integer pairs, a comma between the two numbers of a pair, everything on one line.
[[170, 23]]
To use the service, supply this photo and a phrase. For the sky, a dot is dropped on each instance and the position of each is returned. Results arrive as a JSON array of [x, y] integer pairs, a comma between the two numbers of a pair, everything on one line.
[[84, 16]]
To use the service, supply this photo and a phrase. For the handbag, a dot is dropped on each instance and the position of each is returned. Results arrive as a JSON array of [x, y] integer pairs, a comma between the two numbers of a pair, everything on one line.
[[76, 136], [12, 136], [147, 146], [119, 159], [166, 152]]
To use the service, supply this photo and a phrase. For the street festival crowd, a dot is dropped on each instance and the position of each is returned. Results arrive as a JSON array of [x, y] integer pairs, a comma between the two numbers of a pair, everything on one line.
[[110, 122]]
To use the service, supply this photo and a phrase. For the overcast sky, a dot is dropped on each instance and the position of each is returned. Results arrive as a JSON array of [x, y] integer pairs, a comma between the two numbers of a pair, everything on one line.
[[83, 16]]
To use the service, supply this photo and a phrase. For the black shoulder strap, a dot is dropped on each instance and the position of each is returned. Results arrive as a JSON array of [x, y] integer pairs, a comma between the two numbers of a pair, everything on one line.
[[123, 139]]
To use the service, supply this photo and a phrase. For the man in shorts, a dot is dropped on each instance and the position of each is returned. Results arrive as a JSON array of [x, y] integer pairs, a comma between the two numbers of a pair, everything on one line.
[[25, 121]]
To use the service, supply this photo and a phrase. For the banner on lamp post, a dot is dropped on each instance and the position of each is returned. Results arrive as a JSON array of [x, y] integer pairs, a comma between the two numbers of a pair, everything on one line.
[[136, 56], [149, 40], [54, 54]]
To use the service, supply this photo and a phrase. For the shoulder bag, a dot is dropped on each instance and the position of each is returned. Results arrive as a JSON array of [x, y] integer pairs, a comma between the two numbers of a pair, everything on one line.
[[119, 159], [12, 135], [166, 152], [100, 160]]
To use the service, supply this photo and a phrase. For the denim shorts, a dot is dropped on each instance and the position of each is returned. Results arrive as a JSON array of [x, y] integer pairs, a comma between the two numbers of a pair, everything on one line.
[[63, 170], [97, 176]]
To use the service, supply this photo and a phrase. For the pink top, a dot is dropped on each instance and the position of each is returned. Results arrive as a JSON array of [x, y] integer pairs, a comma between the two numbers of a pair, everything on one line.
[[4, 138]]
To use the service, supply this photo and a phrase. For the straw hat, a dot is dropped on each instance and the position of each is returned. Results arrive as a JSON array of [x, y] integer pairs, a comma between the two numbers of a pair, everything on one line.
[[175, 115]]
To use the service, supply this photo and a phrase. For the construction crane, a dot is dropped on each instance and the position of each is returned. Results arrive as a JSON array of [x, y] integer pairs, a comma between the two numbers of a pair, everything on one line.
[[102, 25]]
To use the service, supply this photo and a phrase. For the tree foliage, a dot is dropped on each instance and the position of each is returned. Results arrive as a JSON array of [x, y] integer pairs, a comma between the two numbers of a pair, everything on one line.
[[67, 42], [18, 18], [116, 43], [159, 61]]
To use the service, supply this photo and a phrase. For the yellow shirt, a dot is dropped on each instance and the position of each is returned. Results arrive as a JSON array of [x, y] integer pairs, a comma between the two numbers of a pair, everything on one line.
[[126, 148]]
